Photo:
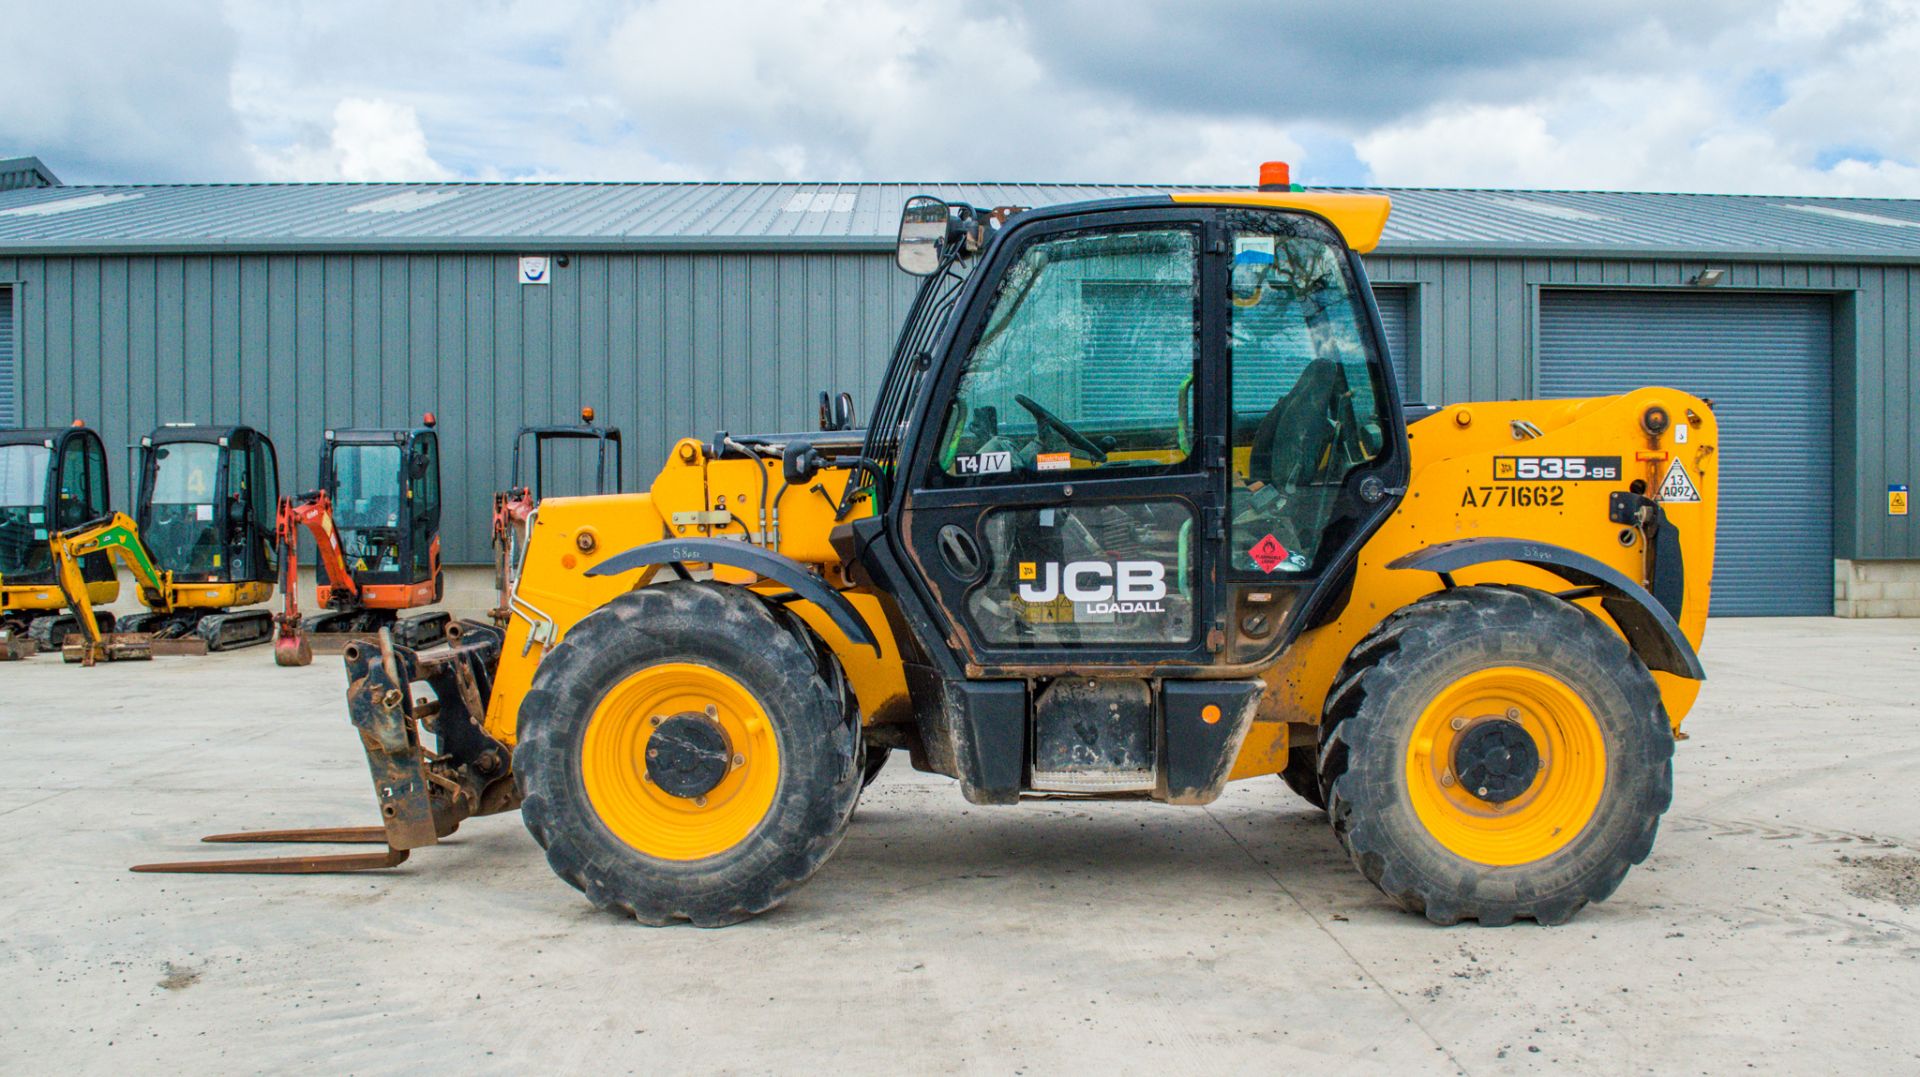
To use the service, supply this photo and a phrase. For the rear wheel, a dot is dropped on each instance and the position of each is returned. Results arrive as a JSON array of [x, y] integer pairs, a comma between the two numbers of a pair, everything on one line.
[[1495, 753], [687, 753]]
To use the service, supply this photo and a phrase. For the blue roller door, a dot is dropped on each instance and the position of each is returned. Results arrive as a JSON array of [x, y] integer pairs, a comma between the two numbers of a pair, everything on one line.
[[9, 383], [1393, 317], [1766, 361]]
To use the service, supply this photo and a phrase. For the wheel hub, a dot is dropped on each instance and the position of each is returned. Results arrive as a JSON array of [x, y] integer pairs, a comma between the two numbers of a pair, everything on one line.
[[1496, 760], [688, 755]]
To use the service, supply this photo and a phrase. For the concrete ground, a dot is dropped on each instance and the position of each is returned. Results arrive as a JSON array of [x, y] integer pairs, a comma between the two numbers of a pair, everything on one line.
[[1776, 925]]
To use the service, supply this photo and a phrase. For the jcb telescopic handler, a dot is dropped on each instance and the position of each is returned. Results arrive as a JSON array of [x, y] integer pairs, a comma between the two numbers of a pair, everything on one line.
[[1138, 512], [50, 479], [514, 505], [375, 522]]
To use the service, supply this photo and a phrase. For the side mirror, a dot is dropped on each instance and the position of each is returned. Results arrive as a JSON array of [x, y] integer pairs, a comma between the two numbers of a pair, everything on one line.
[[923, 226], [836, 412], [800, 462]]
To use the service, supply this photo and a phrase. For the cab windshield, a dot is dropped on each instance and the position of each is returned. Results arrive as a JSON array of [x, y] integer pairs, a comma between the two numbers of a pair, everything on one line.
[[368, 485], [182, 528], [23, 514]]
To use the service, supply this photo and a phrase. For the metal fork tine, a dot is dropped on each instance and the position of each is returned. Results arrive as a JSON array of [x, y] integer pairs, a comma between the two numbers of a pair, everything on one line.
[[334, 835], [282, 865]]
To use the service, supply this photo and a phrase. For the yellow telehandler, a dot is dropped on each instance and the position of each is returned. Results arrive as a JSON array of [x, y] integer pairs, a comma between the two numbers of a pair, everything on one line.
[[1138, 512]]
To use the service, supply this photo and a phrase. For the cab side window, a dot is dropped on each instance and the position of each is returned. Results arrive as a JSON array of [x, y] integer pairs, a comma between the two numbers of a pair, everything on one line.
[[1084, 362], [1305, 397], [83, 484]]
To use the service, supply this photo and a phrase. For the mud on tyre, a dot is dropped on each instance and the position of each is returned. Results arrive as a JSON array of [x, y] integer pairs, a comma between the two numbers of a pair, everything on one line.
[[688, 752], [1495, 753]]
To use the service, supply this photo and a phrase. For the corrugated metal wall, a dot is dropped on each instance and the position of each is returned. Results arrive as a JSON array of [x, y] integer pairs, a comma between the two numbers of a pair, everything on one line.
[[667, 344], [661, 345]]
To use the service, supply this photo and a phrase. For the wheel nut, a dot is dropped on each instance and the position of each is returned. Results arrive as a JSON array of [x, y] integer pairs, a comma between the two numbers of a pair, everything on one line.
[[713, 711], [739, 760], [699, 802], [1459, 723], [1513, 714], [1481, 792], [653, 753], [655, 720], [1446, 777]]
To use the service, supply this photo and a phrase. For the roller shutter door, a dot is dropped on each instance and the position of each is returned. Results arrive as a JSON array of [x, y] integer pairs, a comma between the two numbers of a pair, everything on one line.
[[1767, 363], [9, 384], [1393, 317]]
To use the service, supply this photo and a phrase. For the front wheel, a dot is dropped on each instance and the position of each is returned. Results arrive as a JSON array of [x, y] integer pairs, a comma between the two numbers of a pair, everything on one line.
[[687, 753], [1495, 753]]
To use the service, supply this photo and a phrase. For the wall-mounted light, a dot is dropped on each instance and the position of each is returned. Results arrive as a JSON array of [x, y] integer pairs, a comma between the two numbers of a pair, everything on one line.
[[1707, 278]]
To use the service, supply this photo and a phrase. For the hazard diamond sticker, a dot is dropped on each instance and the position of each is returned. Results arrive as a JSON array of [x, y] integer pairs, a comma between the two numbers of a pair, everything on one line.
[[1268, 554], [1677, 486]]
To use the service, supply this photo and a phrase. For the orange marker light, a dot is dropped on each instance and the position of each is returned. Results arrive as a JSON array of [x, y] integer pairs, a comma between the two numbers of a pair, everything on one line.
[[1275, 176]]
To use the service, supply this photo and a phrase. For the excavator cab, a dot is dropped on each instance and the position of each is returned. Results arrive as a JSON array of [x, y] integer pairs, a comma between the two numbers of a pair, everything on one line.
[[205, 514], [384, 486], [50, 479]]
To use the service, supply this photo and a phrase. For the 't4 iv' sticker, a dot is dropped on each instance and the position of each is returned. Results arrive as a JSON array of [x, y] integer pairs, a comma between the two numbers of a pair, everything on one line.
[[986, 463], [1677, 486]]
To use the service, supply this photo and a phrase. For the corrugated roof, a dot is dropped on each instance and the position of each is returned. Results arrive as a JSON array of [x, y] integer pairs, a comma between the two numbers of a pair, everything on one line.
[[507, 216]]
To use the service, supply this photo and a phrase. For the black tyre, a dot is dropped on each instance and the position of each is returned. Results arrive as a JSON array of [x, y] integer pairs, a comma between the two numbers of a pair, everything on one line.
[[1495, 753], [688, 753], [1303, 775], [876, 762]]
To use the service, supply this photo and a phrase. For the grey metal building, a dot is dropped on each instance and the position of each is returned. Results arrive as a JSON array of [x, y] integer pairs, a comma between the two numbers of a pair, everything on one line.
[[687, 308]]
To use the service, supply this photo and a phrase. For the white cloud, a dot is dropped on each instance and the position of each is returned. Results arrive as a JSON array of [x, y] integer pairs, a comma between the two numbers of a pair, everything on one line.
[[1792, 96], [372, 141]]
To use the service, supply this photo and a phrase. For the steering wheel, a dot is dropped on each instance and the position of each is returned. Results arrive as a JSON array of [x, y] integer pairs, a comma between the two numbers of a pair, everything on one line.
[[1059, 426]]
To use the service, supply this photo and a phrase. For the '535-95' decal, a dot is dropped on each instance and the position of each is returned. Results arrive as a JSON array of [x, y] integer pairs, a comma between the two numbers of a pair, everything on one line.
[[1556, 468]]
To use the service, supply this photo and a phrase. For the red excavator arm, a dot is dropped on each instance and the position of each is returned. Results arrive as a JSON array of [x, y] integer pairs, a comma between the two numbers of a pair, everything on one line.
[[312, 511], [510, 512]]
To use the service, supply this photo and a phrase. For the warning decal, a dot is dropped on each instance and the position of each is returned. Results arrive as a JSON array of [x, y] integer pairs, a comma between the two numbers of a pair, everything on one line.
[[1268, 554], [1677, 486]]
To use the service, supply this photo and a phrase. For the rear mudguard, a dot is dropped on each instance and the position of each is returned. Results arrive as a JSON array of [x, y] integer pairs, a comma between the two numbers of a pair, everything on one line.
[[677, 553], [1650, 630]]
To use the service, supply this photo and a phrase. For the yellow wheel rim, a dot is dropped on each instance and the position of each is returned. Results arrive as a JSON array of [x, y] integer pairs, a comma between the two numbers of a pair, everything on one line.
[[1565, 790], [613, 762]]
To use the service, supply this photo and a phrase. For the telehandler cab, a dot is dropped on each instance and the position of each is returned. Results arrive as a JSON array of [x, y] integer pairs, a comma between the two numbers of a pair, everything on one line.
[[375, 522], [513, 506], [51, 479], [1138, 512]]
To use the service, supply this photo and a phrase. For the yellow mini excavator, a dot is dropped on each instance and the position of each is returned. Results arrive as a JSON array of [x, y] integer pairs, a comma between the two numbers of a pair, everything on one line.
[[1139, 511], [50, 479]]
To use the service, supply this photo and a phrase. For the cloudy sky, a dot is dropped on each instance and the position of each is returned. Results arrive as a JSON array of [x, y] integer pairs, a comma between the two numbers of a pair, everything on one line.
[[1776, 96]]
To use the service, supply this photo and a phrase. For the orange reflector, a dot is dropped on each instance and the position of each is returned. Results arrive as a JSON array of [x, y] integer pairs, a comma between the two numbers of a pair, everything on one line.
[[1210, 713], [568, 561]]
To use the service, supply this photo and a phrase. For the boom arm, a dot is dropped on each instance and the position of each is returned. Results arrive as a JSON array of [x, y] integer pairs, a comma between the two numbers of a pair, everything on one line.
[[119, 537], [314, 512]]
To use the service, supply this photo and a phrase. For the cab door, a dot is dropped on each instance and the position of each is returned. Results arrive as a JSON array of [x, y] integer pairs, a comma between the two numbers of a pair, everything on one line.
[[1062, 502]]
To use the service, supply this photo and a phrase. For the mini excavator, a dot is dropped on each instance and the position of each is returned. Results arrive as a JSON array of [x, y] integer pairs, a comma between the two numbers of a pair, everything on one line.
[[375, 522]]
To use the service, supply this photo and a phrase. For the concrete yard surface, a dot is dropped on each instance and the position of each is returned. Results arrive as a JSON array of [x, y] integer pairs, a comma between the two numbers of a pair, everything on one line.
[[1776, 925]]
